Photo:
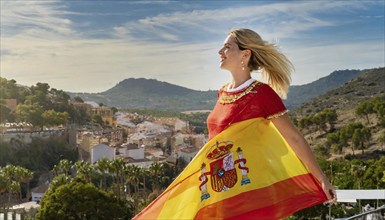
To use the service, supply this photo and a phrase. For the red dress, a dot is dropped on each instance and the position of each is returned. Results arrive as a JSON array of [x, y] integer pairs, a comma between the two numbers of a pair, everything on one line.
[[261, 101]]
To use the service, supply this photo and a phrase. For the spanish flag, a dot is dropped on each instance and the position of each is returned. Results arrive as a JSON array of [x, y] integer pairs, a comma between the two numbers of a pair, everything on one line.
[[248, 171]]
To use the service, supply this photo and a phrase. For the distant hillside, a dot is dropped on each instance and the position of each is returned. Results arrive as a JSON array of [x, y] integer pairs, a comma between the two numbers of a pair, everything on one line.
[[300, 94], [152, 94], [367, 84], [344, 99]]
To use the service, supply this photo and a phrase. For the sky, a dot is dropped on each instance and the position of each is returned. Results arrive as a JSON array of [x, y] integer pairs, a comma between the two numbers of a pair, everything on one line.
[[92, 45]]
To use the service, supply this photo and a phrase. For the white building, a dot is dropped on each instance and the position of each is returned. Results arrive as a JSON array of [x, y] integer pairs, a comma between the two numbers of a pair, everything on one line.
[[102, 150], [38, 192], [134, 151]]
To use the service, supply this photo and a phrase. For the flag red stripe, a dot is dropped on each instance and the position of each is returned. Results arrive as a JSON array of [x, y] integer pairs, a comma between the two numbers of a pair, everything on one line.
[[273, 202]]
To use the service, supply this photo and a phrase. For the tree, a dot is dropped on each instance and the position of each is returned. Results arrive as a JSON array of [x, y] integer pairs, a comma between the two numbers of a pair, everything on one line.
[[52, 117], [81, 200], [156, 175], [84, 170], [11, 177], [117, 168], [379, 106], [381, 140], [31, 113], [5, 112], [103, 165], [133, 178], [360, 137], [334, 140], [365, 109], [78, 99], [346, 134], [98, 119], [64, 167]]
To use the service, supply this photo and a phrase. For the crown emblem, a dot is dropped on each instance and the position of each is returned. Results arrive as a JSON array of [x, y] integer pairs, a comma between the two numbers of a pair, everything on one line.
[[219, 149]]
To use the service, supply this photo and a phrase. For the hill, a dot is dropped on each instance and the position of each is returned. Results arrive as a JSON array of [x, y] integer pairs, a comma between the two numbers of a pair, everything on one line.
[[344, 100], [300, 94], [367, 84], [152, 94]]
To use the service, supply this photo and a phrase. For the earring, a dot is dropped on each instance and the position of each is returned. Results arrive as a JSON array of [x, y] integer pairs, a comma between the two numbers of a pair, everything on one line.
[[243, 65]]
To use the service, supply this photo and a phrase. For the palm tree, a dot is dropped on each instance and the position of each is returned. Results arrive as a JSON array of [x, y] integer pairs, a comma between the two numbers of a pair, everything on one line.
[[103, 165], [84, 170], [10, 179], [133, 175], [23, 175], [117, 169], [63, 167], [144, 173], [155, 171], [4, 183]]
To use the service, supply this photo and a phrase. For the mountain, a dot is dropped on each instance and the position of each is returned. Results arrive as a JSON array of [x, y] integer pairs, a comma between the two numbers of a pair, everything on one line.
[[300, 94], [344, 99], [367, 84], [152, 94]]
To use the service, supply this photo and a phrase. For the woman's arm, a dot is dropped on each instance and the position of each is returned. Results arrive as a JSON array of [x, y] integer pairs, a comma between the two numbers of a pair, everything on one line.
[[300, 146]]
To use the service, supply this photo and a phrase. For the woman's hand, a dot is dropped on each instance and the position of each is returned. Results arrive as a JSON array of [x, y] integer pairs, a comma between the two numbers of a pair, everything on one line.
[[329, 190]]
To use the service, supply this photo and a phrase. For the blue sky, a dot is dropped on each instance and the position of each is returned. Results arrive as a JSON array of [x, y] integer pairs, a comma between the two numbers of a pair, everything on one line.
[[90, 46]]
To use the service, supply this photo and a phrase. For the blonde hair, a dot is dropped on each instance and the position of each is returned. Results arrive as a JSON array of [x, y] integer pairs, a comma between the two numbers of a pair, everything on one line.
[[267, 58]]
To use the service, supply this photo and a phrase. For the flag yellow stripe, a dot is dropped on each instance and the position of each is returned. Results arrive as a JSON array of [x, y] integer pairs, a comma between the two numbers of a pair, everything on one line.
[[269, 160]]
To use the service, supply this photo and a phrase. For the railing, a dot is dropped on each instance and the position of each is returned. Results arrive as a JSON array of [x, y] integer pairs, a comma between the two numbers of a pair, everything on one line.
[[366, 213], [10, 216]]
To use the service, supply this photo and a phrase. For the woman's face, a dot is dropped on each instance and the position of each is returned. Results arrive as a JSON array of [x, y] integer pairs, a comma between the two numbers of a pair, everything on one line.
[[231, 55]]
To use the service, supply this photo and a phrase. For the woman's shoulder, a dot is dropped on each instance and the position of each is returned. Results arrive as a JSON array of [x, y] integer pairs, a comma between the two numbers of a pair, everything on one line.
[[264, 90]]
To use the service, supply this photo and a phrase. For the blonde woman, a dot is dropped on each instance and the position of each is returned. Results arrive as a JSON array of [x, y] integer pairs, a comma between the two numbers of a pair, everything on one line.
[[247, 170], [244, 98]]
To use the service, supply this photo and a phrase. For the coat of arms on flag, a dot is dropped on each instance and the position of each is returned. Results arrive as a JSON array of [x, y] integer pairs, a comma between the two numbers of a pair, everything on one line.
[[222, 169]]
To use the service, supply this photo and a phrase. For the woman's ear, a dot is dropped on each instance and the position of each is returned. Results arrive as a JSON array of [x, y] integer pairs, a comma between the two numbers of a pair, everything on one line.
[[247, 53]]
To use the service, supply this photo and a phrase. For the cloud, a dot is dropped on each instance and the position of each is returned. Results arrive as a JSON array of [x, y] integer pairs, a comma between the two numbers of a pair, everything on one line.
[[42, 44], [97, 65], [314, 62], [34, 18], [271, 19]]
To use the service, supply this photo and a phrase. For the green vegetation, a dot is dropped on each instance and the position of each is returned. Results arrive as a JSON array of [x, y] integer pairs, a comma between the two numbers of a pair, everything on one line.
[[39, 105], [319, 121], [375, 105], [152, 94], [348, 174], [354, 135], [11, 179], [300, 94], [369, 83], [39, 156], [83, 191], [79, 199]]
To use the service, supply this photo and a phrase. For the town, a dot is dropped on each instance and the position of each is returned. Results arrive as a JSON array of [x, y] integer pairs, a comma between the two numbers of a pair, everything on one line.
[[137, 139]]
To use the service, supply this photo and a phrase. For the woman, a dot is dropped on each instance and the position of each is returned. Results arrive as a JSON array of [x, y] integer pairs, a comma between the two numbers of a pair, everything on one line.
[[247, 170], [243, 52]]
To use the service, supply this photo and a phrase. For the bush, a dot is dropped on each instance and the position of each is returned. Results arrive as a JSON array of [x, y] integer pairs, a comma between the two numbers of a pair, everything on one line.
[[81, 200]]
